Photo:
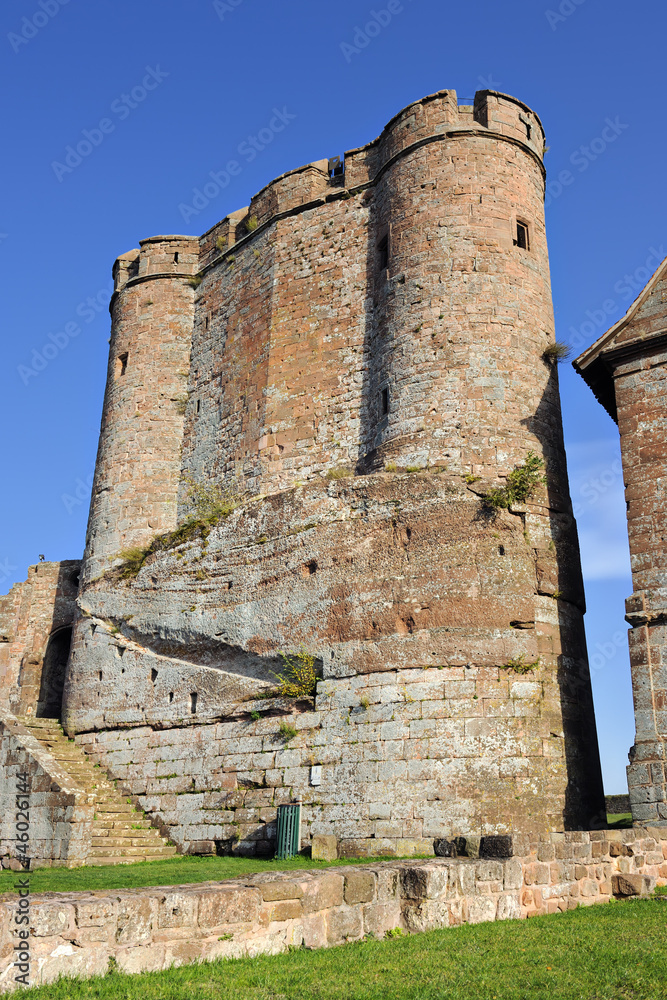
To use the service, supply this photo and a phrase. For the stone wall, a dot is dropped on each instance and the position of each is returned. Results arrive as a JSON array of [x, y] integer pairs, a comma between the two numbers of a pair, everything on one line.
[[627, 370], [35, 611], [60, 816], [147, 929]]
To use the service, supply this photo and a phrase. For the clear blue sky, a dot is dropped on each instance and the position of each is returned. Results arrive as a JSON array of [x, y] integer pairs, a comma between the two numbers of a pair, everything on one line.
[[203, 77]]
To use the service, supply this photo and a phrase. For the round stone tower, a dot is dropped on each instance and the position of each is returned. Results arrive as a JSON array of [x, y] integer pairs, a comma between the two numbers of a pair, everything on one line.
[[139, 455]]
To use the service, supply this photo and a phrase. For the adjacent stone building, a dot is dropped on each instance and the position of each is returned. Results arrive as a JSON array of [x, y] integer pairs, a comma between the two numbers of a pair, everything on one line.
[[627, 370], [352, 361]]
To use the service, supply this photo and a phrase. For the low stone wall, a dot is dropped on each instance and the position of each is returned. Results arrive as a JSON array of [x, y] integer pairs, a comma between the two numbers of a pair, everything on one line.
[[59, 816], [146, 929]]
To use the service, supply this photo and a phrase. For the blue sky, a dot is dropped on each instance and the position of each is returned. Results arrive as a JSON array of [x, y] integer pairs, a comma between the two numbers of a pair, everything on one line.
[[164, 93]]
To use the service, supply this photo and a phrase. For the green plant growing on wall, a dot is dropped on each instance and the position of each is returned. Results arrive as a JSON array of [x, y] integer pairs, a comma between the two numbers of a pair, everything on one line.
[[556, 352], [298, 678], [221, 242], [210, 503], [519, 666], [255, 716], [251, 224], [521, 483], [340, 472], [195, 281], [286, 731]]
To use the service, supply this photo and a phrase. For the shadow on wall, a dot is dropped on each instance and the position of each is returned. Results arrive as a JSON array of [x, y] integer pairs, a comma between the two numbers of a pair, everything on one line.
[[559, 578]]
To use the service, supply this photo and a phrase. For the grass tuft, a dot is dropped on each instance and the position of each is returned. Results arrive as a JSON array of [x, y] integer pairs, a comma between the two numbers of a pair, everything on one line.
[[521, 484], [341, 472], [557, 352]]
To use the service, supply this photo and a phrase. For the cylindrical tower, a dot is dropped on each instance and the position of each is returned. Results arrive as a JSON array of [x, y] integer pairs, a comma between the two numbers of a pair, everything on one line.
[[463, 300], [139, 456]]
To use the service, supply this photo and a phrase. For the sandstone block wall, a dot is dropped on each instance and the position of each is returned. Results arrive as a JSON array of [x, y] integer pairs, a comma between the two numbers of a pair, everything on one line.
[[627, 371], [59, 824], [389, 325], [148, 929], [31, 614]]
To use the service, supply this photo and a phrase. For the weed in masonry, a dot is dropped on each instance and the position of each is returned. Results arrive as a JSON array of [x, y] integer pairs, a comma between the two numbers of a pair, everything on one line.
[[519, 665], [209, 504], [521, 483], [221, 242], [471, 479], [364, 702], [557, 352], [299, 678], [251, 224], [195, 281], [339, 473], [255, 716], [286, 731], [390, 467]]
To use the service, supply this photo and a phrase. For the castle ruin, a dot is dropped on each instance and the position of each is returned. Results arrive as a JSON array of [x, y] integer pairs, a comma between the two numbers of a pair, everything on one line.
[[356, 359]]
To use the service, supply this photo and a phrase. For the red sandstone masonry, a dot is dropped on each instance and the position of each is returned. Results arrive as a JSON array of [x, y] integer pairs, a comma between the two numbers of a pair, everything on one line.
[[297, 338], [627, 369], [148, 929]]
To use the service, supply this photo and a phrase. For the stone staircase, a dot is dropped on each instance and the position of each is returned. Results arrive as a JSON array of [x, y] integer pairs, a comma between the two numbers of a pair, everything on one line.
[[121, 834]]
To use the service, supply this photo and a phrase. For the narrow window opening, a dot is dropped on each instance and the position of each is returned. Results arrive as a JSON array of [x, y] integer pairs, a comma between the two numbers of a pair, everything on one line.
[[99, 675], [193, 702], [175, 258], [208, 319], [198, 405], [529, 130], [384, 402], [521, 236], [171, 697], [121, 364], [153, 675], [383, 254]]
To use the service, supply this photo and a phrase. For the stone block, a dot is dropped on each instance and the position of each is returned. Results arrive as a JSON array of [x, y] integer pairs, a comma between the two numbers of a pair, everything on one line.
[[284, 909], [344, 925], [324, 847], [228, 906], [137, 915], [51, 919], [629, 885], [481, 909], [177, 909], [280, 889], [359, 887], [322, 893]]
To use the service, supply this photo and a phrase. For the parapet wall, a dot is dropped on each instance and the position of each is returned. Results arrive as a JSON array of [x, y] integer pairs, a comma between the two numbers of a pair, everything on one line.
[[149, 929], [40, 609]]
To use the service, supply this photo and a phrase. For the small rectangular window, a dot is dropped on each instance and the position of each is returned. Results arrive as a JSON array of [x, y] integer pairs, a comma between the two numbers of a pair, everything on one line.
[[521, 236], [383, 254], [384, 402], [121, 364]]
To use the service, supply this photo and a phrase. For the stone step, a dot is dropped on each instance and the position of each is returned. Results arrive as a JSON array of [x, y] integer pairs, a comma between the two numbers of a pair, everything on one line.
[[163, 851], [145, 843], [121, 834], [122, 860]]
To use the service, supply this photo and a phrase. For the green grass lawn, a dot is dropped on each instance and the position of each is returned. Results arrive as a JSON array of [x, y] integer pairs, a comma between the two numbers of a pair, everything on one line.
[[171, 871], [619, 821], [612, 952], [181, 870]]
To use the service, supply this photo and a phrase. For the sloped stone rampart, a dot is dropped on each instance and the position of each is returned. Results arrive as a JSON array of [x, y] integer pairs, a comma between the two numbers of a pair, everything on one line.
[[60, 813], [154, 928]]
